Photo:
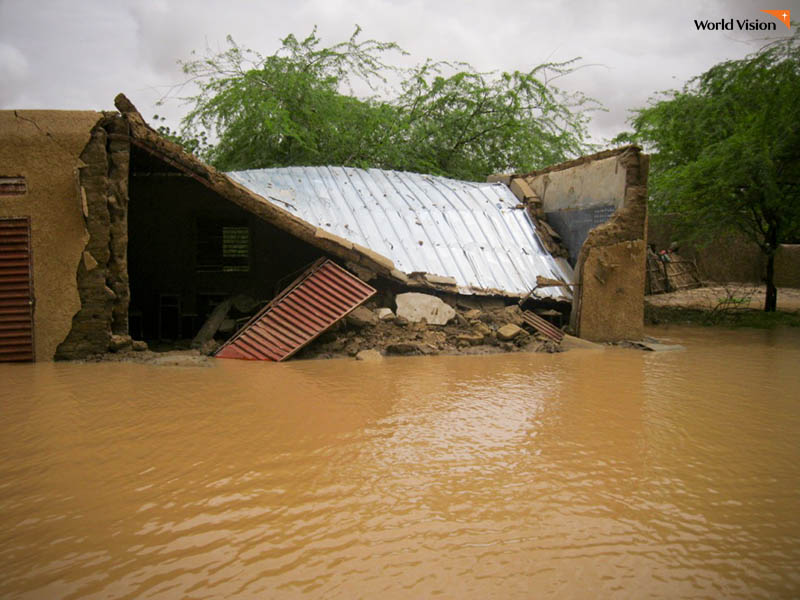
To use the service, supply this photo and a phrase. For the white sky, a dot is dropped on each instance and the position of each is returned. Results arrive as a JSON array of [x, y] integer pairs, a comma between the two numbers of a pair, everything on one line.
[[79, 54]]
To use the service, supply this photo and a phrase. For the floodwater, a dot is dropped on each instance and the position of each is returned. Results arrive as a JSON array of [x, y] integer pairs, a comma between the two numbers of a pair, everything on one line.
[[588, 474]]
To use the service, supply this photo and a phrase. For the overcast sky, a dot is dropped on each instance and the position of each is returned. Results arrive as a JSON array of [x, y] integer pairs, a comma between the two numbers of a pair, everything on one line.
[[79, 54]]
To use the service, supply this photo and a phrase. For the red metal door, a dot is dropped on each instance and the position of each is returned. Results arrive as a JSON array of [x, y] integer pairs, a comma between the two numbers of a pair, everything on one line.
[[16, 290], [316, 300]]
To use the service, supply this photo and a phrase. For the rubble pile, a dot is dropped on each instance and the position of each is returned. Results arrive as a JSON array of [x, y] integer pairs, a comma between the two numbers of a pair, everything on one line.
[[425, 325]]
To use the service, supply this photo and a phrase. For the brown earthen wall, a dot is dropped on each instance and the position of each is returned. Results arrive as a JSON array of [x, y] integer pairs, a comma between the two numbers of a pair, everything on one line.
[[730, 257], [609, 301], [102, 273], [45, 148]]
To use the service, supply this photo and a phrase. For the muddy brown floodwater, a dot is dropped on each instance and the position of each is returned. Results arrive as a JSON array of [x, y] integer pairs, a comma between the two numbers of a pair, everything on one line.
[[612, 473]]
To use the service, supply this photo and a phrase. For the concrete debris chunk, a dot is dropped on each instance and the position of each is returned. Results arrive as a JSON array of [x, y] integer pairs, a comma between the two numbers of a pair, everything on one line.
[[369, 355], [384, 314], [415, 307], [508, 332], [119, 343], [361, 317], [481, 328], [521, 189], [469, 339]]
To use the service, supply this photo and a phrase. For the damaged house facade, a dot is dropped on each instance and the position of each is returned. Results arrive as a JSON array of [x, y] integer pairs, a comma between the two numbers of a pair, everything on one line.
[[109, 231]]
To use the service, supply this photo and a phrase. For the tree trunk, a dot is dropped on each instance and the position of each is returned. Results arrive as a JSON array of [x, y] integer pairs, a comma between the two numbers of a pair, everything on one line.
[[771, 301]]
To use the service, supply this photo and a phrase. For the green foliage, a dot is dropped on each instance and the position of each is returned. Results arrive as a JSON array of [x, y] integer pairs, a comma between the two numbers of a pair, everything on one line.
[[726, 150], [298, 106], [195, 145]]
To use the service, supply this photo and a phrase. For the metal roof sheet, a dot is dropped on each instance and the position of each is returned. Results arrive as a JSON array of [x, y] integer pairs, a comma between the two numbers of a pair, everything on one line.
[[471, 232]]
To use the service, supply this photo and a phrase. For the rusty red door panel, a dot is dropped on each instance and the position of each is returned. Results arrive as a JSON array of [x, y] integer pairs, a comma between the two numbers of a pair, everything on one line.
[[311, 304], [16, 291], [544, 327]]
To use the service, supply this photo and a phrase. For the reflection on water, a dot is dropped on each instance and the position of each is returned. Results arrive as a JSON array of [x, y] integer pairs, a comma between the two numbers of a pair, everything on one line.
[[586, 474]]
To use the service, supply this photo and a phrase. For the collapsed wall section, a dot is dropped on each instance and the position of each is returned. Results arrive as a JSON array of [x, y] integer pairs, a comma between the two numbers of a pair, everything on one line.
[[597, 206], [102, 273]]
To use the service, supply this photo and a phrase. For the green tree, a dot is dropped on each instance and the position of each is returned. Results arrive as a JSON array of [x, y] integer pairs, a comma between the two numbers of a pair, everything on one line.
[[298, 107], [726, 150]]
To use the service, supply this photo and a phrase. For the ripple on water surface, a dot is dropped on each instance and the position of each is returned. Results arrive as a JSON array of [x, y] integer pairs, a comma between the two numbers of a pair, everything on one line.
[[586, 474]]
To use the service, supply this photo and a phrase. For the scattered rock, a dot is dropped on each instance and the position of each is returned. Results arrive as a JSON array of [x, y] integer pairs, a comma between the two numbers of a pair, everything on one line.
[[481, 328], [508, 332], [420, 326], [361, 317], [469, 339], [139, 346], [513, 314], [472, 314], [414, 307], [369, 355], [384, 314], [120, 343], [402, 348], [410, 348]]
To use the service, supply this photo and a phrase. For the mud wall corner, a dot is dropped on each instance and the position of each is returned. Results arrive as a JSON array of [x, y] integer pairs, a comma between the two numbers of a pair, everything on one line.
[[102, 274]]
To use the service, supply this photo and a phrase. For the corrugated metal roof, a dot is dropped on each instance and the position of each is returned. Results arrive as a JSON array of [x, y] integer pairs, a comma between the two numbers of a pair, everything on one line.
[[471, 232]]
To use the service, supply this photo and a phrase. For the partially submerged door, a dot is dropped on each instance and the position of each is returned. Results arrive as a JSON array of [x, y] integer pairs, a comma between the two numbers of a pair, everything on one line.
[[16, 290], [316, 300]]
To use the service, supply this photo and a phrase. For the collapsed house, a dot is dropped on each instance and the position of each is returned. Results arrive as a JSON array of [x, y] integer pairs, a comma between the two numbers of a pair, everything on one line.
[[109, 231]]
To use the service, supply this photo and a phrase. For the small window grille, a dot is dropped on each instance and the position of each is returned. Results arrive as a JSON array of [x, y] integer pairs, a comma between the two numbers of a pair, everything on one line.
[[223, 247], [13, 186]]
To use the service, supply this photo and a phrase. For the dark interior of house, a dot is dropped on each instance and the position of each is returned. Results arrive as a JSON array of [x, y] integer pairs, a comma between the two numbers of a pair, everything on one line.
[[190, 248]]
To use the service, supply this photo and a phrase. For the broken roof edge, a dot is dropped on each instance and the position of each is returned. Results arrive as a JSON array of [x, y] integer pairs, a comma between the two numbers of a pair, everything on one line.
[[147, 138], [603, 154]]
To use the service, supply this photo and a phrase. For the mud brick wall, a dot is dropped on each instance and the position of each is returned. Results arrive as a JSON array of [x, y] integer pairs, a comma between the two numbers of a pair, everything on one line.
[[102, 273], [609, 303], [730, 257], [596, 206], [576, 196]]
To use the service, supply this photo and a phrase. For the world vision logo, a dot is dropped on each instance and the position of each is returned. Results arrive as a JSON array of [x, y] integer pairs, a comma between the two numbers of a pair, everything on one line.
[[784, 16]]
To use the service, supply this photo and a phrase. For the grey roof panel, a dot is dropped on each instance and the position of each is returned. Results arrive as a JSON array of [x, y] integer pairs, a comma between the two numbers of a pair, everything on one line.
[[472, 232]]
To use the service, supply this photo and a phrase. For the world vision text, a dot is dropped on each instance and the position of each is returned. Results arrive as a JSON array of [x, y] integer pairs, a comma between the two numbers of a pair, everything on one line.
[[737, 24]]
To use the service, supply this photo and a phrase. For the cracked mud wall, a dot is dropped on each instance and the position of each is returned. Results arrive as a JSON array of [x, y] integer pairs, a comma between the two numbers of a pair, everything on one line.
[[609, 303], [580, 194], [597, 207], [44, 147], [101, 274]]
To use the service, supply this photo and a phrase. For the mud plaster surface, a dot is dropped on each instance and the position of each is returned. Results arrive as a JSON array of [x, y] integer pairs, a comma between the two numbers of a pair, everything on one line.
[[614, 279], [595, 183], [44, 147]]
